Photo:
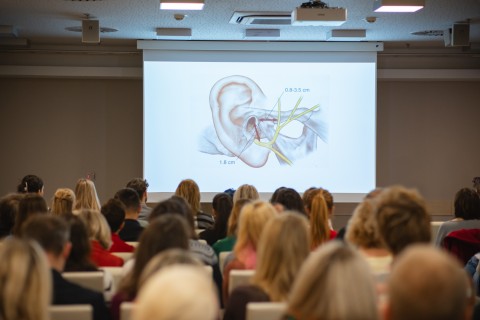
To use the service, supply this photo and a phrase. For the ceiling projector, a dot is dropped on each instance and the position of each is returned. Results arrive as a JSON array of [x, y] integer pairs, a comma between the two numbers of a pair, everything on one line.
[[319, 16]]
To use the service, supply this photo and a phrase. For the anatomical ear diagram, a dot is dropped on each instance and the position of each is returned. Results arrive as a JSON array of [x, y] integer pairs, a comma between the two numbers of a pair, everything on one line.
[[245, 127]]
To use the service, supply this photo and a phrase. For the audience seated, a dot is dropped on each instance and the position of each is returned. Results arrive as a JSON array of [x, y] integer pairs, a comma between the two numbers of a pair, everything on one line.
[[246, 191], [140, 186], [222, 207], [63, 201], [31, 184], [253, 218], [30, 205], [362, 232], [114, 213], [319, 208], [86, 196], [8, 212], [334, 283], [227, 243], [165, 232], [79, 259], [164, 296], [426, 283], [402, 218], [25, 281], [132, 229], [289, 199], [52, 234], [188, 189], [283, 247], [466, 211], [100, 238]]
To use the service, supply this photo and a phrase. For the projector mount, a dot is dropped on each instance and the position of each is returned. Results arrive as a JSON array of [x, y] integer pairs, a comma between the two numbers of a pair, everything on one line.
[[314, 4]]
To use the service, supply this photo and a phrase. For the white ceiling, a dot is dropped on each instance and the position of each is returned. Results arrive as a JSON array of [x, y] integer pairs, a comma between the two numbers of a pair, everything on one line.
[[44, 21]]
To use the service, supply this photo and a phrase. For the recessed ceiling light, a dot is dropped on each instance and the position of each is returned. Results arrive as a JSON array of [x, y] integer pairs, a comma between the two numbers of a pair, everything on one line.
[[398, 5], [181, 4]]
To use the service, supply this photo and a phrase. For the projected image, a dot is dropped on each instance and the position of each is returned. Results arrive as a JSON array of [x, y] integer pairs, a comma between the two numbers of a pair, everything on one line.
[[246, 127]]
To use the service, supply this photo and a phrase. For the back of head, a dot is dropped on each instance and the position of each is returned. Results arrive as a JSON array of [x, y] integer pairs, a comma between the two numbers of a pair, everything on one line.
[[30, 205], [139, 185], [319, 218], [290, 199], [129, 198], [86, 195], [51, 232], [165, 232], [334, 283], [114, 213], [426, 283], [362, 228], [164, 296], [30, 184], [169, 257], [476, 184], [222, 204], [97, 226], [8, 213], [79, 257], [402, 218], [189, 190], [235, 215], [25, 281], [246, 191], [282, 249], [174, 205], [467, 204], [253, 218], [63, 201]]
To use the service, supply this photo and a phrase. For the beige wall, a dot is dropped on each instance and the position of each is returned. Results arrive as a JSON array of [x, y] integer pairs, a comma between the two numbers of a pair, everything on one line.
[[428, 133]]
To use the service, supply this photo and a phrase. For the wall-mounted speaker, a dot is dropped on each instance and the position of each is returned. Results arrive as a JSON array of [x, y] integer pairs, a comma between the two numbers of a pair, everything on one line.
[[461, 34], [90, 31], [457, 36]]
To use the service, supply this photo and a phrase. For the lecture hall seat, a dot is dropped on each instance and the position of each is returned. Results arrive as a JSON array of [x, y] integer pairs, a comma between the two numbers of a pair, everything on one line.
[[265, 310], [71, 312], [238, 278]]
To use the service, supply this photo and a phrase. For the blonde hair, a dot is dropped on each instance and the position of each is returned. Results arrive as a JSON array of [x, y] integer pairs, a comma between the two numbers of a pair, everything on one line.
[[233, 219], [188, 189], [427, 283], [86, 195], [335, 283], [253, 218], [319, 224], [97, 227], [25, 281], [362, 228], [163, 297], [246, 191], [63, 201], [283, 247], [174, 256]]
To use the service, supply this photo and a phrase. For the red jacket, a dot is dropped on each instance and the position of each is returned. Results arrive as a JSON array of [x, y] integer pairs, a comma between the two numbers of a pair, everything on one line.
[[118, 245], [103, 258]]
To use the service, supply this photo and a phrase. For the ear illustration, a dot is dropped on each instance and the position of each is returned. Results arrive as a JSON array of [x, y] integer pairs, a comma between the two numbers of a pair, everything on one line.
[[235, 101]]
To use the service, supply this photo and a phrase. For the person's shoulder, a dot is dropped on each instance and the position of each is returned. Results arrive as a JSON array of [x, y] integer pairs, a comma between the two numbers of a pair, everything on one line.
[[68, 292]]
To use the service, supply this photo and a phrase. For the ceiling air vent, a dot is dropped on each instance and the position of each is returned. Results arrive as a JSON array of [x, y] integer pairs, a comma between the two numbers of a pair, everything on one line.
[[260, 18]]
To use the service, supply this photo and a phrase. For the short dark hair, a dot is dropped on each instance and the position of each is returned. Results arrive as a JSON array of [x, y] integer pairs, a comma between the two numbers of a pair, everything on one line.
[[129, 198], [290, 199], [139, 185], [51, 232], [114, 212], [30, 183], [174, 205], [467, 204]]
